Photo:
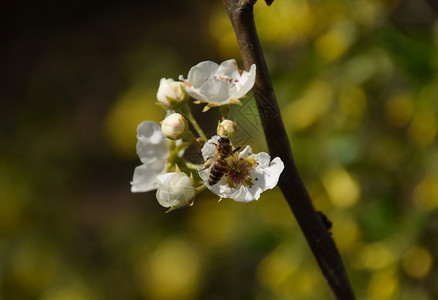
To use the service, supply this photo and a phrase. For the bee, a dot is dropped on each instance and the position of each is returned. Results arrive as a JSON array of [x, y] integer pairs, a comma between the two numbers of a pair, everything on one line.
[[224, 150]]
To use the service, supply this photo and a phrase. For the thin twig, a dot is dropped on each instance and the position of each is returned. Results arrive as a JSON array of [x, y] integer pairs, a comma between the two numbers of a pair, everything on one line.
[[316, 233]]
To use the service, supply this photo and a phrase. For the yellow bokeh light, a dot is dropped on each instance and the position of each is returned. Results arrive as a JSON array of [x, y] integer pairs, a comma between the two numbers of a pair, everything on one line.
[[223, 222], [126, 113], [342, 188], [366, 13], [172, 271], [426, 193], [222, 33], [417, 262], [424, 128], [353, 102], [311, 107], [288, 275], [278, 266], [285, 22], [367, 65], [383, 285], [345, 231], [399, 109], [376, 256], [336, 41], [274, 206]]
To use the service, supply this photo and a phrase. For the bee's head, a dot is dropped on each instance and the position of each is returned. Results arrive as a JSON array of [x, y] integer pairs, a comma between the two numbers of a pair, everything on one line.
[[224, 139]]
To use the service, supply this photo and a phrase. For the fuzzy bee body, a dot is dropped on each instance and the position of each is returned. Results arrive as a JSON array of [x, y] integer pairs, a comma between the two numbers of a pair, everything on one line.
[[224, 149], [218, 170]]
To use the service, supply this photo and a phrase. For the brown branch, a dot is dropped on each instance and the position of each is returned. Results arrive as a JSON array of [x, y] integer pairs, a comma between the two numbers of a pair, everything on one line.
[[316, 233]]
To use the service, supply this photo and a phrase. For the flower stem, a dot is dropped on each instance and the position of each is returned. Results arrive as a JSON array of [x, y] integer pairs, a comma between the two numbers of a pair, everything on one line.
[[192, 166], [200, 189], [186, 112], [225, 110], [175, 150], [191, 138], [197, 127]]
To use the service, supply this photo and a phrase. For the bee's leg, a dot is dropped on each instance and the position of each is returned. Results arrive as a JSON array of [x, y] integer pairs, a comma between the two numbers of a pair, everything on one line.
[[206, 164], [237, 149]]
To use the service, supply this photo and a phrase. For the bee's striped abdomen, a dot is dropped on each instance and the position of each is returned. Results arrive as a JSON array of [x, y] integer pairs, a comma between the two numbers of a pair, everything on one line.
[[217, 171]]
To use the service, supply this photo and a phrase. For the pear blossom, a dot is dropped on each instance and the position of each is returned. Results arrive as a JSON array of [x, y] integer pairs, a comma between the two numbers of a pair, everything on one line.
[[153, 150], [248, 174], [175, 189], [174, 126], [171, 94], [218, 84]]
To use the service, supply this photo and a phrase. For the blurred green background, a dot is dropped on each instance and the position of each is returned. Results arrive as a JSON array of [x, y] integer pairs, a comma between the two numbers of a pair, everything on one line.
[[357, 83]]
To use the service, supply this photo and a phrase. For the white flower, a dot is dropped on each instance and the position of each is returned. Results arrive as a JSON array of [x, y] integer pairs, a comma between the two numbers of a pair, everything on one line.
[[174, 126], [175, 190], [153, 150], [248, 176], [218, 84], [171, 93]]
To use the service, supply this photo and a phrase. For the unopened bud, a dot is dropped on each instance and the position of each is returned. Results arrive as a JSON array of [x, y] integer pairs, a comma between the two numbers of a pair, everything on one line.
[[227, 128], [171, 93], [175, 190], [174, 126]]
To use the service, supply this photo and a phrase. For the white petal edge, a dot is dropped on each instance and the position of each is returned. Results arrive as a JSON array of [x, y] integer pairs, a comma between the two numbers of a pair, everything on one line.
[[145, 178], [228, 68], [201, 72], [151, 144], [246, 82]]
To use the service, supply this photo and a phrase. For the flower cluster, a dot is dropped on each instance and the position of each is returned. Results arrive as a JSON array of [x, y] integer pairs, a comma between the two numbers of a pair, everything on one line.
[[241, 176]]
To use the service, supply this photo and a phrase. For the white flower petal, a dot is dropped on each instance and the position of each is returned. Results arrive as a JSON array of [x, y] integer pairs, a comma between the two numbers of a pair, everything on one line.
[[153, 151], [246, 152], [248, 194], [273, 173], [196, 94], [144, 179], [263, 159], [149, 132], [216, 91], [151, 142], [209, 148], [218, 84], [228, 68], [200, 73], [246, 82]]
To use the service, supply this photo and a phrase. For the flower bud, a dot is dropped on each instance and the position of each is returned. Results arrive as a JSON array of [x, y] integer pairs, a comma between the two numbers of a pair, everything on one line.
[[175, 190], [227, 128], [174, 126], [171, 93]]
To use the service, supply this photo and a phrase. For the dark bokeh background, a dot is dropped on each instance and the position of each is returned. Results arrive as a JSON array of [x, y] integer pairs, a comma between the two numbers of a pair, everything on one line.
[[358, 87]]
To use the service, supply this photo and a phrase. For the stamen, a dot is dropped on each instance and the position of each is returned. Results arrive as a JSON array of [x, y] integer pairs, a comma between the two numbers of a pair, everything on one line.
[[240, 172]]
